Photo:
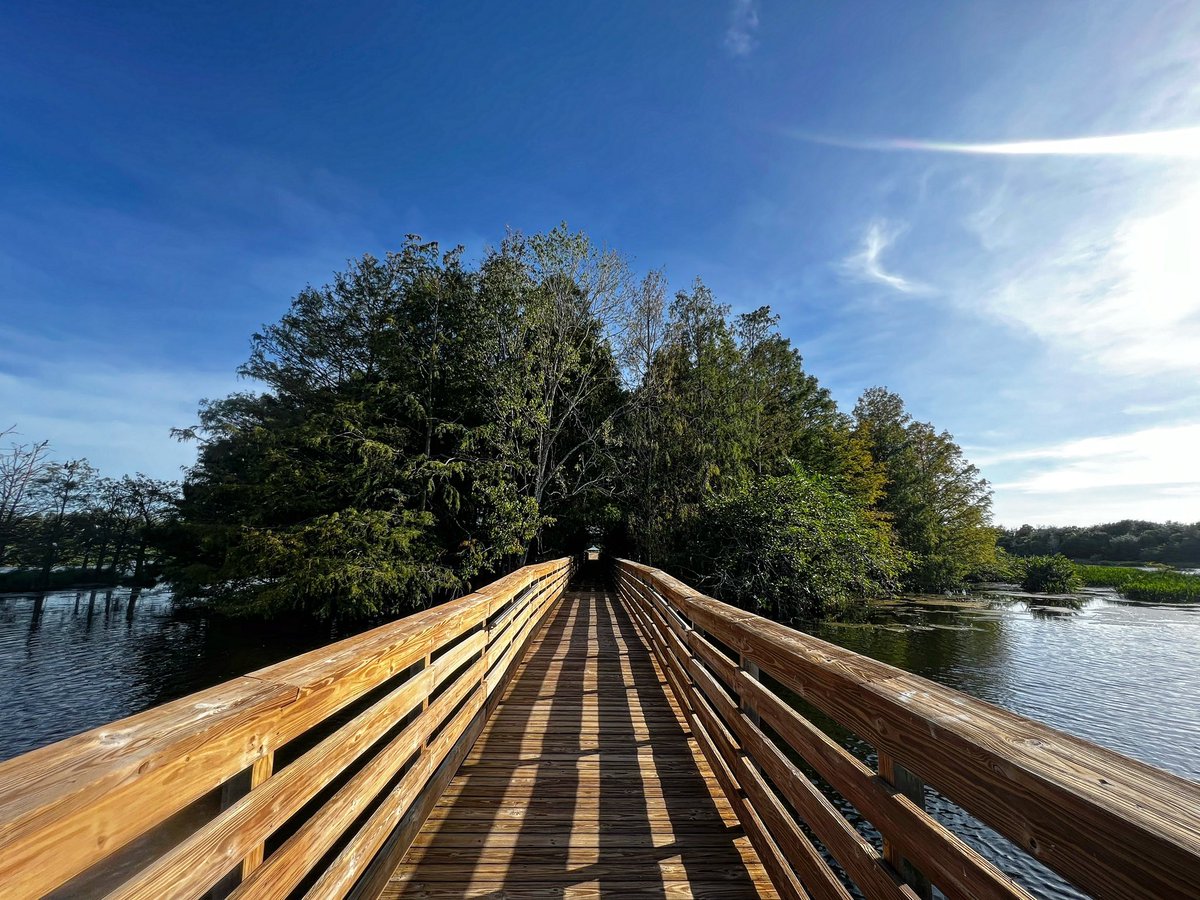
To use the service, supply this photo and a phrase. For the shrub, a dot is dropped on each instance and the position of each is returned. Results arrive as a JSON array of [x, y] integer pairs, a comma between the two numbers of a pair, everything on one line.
[[1149, 587], [1051, 575], [796, 546]]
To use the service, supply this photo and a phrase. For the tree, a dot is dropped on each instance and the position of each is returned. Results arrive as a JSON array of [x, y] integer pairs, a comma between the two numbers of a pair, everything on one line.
[[20, 469], [788, 415], [796, 546], [938, 502], [420, 425], [59, 490], [343, 490], [553, 386], [643, 337], [150, 500], [700, 422]]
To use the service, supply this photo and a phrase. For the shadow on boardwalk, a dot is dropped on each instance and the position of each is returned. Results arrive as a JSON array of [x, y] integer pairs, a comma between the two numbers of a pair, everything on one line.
[[585, 783]]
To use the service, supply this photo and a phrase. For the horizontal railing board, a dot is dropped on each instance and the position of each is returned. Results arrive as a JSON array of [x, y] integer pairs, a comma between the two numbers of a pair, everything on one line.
[[1114, 826], [67, 807], [194, 865], [935, 849]]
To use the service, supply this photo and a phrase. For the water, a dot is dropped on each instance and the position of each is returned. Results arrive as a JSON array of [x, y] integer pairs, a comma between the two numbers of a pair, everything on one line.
[[1121, 674], [79, 660]]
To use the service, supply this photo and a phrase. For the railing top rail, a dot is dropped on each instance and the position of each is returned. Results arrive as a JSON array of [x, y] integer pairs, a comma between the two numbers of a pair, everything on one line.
[[82, 798], [1112, 824]]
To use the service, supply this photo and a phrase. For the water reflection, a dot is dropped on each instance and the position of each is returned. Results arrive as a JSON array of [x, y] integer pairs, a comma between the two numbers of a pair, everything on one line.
[[1118, 673], [73, 660]]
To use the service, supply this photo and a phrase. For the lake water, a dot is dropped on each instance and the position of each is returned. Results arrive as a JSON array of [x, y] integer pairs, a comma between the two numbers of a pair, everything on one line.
[[80, 660], [1121, 674]]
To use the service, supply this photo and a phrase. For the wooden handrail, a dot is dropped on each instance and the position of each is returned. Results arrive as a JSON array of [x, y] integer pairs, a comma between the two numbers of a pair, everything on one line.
[[186, 797], [1113, 826]]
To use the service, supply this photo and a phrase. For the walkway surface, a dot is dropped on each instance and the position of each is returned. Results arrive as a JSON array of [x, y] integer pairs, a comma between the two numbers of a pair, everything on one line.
[[585, 783]]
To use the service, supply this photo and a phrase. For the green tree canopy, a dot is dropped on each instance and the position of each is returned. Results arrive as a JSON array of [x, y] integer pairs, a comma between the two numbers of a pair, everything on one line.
[[938, 502], [419, 424], [796, 546]]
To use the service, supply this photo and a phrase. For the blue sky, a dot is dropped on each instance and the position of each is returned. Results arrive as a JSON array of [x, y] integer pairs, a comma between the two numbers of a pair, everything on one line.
[[171, 175]]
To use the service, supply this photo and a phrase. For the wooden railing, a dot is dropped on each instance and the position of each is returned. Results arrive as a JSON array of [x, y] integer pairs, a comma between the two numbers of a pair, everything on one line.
[[1112, 826], [310, 775]]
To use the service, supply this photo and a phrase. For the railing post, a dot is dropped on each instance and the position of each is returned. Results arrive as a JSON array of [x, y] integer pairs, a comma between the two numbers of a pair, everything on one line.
[[913, 788], [259, 772], [752, 671]]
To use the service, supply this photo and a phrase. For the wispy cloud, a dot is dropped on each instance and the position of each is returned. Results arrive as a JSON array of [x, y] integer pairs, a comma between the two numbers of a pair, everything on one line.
[[89, 401], [1116, 295], [1149, 473], [867, 263], [1173, 143], [743, 25]]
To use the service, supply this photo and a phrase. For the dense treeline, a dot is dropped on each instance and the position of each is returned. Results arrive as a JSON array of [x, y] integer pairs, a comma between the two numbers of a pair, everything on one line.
[[424, 424], [1127, 541], [62, 523]]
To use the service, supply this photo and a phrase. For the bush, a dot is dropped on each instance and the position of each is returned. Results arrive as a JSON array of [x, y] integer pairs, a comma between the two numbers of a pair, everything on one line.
[[1004, 568], [1051, 575], [796, 546]]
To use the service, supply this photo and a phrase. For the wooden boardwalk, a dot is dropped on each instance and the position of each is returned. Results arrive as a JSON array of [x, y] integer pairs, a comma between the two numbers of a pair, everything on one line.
[[527, 740], [584, 783]]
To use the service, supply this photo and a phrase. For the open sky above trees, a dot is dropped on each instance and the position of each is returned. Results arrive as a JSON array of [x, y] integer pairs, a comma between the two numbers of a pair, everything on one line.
[[171, 179]]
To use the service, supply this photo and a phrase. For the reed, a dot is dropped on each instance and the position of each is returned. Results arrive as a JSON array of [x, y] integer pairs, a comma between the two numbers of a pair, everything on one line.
[[1150, 587]]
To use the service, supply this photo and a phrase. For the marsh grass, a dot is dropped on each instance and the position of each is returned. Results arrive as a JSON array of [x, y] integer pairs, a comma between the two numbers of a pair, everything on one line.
[[1149, 587]]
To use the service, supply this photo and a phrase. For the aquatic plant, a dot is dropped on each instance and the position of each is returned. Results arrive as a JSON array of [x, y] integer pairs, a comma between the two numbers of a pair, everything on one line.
[[1139, 584], [1050, 575]]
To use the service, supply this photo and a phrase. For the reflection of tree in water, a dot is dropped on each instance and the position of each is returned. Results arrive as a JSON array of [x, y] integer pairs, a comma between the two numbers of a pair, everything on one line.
[[190, 651], [1055, 607], [954, 646]]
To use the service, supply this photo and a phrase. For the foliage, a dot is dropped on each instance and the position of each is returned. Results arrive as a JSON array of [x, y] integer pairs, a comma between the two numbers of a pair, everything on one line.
[[797, 546], [422, 425], [62, 524], [1125, 541], [419, 425], [1050, 575], [938, 502], [1139, 584], [1004, 567]]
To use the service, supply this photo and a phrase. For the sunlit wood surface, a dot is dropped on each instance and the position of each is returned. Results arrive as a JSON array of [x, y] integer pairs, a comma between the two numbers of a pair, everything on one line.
[[584, 783]]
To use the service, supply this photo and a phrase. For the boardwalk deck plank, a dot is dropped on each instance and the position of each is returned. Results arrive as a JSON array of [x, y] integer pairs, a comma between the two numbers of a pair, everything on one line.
[[585, 783]]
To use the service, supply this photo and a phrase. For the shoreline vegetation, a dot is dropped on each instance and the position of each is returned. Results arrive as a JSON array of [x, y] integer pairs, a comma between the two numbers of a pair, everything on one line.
[[1160, 586], [1144, 582], [421, 425]]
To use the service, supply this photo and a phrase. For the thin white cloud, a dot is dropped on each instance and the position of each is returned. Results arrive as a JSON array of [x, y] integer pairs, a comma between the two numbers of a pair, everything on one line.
[[743, 25], [1149, 474], [1119, 295], [1161, 503], [1164, 455], [1174, 143], [867, 263], [114, 410]]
